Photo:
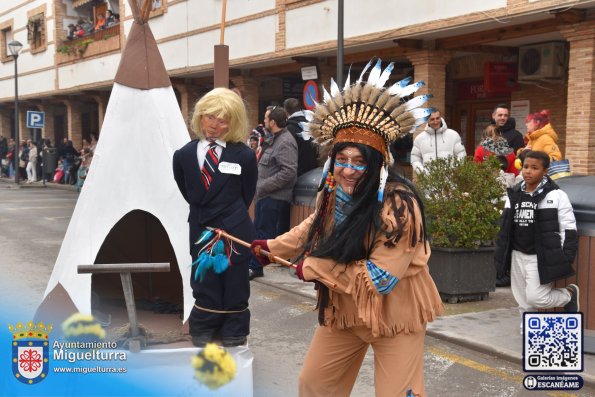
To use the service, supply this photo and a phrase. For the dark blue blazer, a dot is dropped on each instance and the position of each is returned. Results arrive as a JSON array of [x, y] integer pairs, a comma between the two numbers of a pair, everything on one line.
[[225, 205]]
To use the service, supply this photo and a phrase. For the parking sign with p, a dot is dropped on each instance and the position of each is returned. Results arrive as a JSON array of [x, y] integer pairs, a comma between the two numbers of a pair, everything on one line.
[[35, 119]]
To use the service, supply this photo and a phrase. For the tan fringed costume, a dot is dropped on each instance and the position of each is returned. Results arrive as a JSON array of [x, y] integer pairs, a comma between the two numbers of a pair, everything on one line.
[[357, 315], [383, 295]]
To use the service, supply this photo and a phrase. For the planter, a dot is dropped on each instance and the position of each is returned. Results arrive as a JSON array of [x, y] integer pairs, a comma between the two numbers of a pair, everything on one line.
[[463, 275]]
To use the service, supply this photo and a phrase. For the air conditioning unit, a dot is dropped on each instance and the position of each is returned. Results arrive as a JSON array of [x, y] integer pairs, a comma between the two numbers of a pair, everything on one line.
[[542, 61]]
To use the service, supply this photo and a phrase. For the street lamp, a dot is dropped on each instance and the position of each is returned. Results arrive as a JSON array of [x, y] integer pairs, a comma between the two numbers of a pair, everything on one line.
[[15, 47]]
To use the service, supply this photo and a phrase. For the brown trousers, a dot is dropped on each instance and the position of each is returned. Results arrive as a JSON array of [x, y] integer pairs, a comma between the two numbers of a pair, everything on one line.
[[335, 357]]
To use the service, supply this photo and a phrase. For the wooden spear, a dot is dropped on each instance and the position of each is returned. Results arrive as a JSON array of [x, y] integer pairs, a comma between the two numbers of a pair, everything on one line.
[[271, 257]]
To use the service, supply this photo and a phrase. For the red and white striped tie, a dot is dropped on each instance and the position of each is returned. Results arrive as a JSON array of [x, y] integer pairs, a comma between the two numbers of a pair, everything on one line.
[[210, 165]]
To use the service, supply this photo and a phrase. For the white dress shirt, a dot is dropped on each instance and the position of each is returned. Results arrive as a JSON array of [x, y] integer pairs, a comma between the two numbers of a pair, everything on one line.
[[203, 147]]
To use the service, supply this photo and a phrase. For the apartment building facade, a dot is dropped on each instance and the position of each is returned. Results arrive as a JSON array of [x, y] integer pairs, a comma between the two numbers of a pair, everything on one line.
[[533, 54]]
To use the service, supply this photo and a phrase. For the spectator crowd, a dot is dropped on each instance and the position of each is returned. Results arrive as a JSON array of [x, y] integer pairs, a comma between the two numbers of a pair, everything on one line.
[[85, 26], [41, 161]]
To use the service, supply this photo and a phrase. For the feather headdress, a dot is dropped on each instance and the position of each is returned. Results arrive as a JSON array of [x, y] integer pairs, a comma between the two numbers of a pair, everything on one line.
[[369, 113]]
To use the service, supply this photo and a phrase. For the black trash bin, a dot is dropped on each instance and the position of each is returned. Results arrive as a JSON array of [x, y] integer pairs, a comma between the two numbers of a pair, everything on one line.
[[49, 163], [581, 192], [304, 196]]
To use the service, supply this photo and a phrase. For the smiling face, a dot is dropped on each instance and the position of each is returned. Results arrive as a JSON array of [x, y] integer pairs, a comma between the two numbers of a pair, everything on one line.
[[435, 120], [213, 127], [500, 116], [350, 166]]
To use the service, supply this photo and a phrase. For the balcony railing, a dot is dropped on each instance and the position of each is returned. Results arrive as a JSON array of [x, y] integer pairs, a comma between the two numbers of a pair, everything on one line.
[[95, 43]]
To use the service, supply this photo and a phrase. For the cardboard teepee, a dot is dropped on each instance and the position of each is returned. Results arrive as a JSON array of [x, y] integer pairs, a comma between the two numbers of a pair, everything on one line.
[[130, 208]]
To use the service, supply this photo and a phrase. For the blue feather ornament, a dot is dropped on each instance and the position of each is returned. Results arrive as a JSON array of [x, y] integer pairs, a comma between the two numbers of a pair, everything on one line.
[[220, 263], [218, 248], [205, 235], [205, 262]]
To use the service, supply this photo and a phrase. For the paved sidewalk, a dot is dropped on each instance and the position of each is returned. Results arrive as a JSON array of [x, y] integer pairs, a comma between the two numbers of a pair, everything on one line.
[[490, 326], [25, 185]]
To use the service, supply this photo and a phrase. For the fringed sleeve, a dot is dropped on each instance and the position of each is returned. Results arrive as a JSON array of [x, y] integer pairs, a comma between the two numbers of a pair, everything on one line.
[[291, 244], [400, 250]]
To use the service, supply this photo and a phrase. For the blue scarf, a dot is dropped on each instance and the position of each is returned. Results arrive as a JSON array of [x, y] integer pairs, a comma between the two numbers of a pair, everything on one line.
[[343, 203]]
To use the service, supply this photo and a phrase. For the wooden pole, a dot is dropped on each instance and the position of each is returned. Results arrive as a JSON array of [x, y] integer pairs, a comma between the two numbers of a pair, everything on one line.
[[146, 10], [221, 56], [135, 9], [271, 257], [222, 36]]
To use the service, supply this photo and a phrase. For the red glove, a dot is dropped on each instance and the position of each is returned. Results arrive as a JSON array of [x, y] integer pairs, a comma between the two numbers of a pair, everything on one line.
[[255, 248], [299, 272]]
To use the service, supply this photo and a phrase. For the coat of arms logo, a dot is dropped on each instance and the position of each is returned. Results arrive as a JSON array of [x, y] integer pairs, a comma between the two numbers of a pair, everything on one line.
[[30, 351]]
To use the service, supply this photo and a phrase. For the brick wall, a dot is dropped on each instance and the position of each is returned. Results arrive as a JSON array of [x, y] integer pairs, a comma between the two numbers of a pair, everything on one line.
[[544, 95], [580, 142], [74, 125], [280, 34], [23, 130], [430, 66], [325, 73], [249, 90], [6, 130], [47, 132]]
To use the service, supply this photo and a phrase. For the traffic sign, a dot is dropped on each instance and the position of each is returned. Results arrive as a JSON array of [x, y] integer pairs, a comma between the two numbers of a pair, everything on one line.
[[35, 119], [310, 96]]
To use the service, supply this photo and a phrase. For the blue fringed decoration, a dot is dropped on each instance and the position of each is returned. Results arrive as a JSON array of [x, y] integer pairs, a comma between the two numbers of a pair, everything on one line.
[[218, 248], [206, 234], [205, 262], [214, 254], [220, 263]]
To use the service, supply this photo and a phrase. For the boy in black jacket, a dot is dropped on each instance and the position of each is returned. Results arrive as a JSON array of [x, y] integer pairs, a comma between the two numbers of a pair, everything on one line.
[[538, 241]]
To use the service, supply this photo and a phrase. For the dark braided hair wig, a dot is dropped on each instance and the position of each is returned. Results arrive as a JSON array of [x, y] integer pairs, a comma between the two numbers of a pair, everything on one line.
[[353, 239], [348, 241]]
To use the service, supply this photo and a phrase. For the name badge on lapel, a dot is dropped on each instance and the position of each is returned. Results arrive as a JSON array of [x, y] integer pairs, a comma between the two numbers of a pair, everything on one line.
[[230, 168]]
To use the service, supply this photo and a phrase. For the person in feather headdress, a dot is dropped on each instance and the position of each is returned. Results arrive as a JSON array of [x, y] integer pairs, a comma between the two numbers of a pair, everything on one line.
[[365, 246]]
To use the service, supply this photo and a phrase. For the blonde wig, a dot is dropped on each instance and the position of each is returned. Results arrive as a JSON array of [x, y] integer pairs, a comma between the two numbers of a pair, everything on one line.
[[225, 104]]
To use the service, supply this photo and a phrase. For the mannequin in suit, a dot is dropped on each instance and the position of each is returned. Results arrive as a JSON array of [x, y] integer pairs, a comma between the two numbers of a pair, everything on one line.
[[219, 197]]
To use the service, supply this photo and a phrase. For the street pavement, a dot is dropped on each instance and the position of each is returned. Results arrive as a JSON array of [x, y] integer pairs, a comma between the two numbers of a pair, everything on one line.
[[491, 326], [481, 338]]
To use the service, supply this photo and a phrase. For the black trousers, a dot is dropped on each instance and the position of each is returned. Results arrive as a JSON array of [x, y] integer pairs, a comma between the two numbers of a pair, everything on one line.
[[228, 291], [271, 219]]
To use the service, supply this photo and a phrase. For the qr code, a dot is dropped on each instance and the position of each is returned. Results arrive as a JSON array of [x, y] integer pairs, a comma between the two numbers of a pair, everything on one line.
[[553, 342]]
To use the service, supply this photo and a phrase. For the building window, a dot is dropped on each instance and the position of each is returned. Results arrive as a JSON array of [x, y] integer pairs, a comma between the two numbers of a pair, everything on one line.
[[36, 35], [5, 38], [158, 7]]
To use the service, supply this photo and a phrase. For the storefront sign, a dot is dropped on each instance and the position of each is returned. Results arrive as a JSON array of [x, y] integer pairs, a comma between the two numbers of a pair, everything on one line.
[[471, 90], [499, 77], [309, 73]]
